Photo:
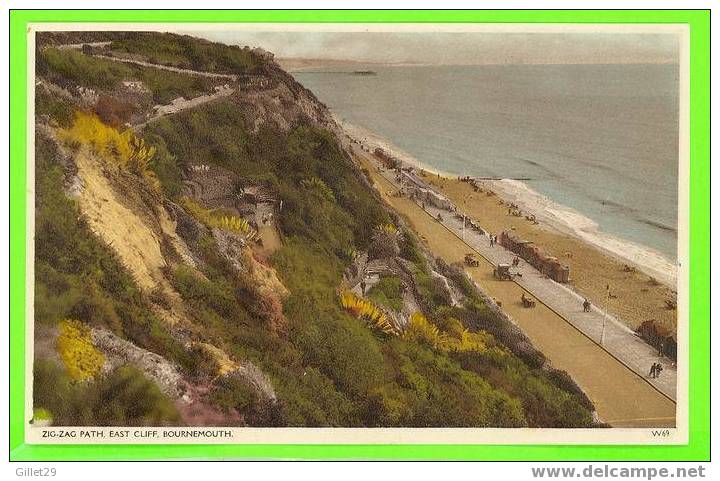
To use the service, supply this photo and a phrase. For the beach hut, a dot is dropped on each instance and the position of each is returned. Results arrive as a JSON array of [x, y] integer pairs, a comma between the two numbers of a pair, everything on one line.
[[563, 274]]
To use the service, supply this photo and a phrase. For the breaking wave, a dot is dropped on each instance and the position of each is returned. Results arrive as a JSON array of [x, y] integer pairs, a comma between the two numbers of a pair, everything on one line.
[[562, 218]]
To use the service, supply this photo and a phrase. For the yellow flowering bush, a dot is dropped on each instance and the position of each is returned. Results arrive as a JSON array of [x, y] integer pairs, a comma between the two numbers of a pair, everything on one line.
[[212, 218], [364, 309], [421, 330], [82, 360], [125, 148]]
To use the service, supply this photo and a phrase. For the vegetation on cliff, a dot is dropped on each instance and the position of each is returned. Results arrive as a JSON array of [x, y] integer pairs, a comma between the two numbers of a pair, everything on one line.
[[453, 365], [187, 52]]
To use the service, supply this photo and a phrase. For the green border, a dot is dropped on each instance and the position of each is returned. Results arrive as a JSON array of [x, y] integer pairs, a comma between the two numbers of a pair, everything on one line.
[[698, 448]]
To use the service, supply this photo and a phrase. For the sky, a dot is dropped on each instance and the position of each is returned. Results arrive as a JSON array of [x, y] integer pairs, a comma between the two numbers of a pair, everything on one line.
[[474, 48]]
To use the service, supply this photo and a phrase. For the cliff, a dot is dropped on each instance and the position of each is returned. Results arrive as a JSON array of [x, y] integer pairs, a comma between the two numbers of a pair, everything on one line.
[[230, 264]]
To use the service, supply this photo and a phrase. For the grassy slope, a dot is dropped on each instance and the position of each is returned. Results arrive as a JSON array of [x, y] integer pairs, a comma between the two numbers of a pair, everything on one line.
[[329, 369], [71, 68], [188, 52]]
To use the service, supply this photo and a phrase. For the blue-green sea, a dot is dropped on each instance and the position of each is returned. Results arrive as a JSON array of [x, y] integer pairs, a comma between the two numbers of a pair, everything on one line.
[[598, 143]]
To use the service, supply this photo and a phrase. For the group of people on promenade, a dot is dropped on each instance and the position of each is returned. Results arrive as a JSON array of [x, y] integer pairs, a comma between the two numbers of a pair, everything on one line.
[[655, 370]]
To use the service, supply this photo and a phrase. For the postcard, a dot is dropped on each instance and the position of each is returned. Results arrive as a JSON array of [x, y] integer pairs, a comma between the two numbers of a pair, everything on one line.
[[382, 233]]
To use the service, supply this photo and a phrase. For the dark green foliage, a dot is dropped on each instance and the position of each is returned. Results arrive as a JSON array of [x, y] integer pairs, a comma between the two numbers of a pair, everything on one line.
[[409, 248], [478, 316], [217, 295], [338, 346], [430, 389], [56, 108], [284, 160], [311, 399], [124, 397], [387, 292], [167, 86], [70, 68], [188, 52], [232, 393], [224, 139], [432, 291], [544, 403], [166, 167], [344, 350]]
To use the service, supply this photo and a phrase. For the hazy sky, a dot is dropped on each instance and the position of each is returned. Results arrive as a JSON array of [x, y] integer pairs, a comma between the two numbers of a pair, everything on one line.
[[460, 48]]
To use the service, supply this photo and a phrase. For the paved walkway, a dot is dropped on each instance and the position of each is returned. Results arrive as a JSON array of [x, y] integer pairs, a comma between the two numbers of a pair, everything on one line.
[[142, 63], [618, 340], [198, 73], [179, 105]]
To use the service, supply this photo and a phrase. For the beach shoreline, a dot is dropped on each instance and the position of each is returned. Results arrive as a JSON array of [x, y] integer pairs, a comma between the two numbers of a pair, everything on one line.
[[644, 258], [638, 291]]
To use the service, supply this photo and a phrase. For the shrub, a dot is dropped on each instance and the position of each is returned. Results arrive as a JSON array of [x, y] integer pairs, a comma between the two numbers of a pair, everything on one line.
[[419, 329], [188, 52], [218, 296], [385, 243], [166, 168], [55, 107], [232, 392], [128, 398], [435, 391], [314, 183], [112, 111], [124, 148], [312, 399], [432, 291], [345, 351], [70, 66], [214, 218], [364, 309], [388, 292], [77, 351], [124, 397], [409, 249]]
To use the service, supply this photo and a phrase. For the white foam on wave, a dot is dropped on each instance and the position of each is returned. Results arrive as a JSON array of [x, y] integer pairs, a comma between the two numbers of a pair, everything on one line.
[[560, 217], [374, 140]]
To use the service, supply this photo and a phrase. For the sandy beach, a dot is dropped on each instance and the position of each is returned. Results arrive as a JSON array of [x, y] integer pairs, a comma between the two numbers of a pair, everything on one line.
[[635, 297], [601, 376]]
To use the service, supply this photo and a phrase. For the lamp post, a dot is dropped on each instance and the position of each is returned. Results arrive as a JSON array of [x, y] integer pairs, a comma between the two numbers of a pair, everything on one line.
[[607, 303], [464, 214]]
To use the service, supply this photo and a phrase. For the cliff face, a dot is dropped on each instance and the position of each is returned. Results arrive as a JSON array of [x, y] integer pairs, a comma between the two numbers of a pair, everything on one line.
[[197, 213]]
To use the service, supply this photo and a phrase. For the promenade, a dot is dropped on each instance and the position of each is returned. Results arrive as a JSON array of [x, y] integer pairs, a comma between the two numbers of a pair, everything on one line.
[[614, 372]]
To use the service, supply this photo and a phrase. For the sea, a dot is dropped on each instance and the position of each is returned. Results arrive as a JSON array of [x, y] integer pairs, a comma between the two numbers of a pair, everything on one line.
[[590, 149]]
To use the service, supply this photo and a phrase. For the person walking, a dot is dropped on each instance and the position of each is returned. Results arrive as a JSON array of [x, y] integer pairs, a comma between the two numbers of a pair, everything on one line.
[[653, 370], [658, 370]]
